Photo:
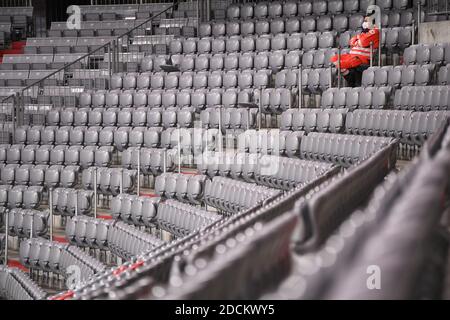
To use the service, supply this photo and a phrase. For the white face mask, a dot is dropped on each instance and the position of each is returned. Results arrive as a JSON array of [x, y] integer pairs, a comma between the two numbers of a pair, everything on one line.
[[367, 25]]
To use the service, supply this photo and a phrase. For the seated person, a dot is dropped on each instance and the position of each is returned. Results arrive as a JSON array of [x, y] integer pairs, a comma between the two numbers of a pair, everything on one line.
[[353, 63]]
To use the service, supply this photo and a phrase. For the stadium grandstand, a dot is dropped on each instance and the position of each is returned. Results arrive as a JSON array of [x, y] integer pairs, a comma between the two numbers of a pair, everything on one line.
[[219, 150]]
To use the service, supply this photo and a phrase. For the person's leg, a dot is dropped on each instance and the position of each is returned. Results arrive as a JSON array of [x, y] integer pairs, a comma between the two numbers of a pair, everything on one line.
[[358, 77], [350, 78], [345, 58], [351, 62], [354, 76]]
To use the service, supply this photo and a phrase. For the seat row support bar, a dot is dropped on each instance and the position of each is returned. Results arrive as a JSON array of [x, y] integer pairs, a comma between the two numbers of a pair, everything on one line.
[[50, 204], [6, 238]]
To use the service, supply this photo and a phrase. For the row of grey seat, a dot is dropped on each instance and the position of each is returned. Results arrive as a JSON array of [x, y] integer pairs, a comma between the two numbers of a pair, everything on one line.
[[97, 29], [356, 98], [110, 181], [275, 60], [59, 155], [83, 231], [187, 188], [71, 202], [147, 7], [271, 171], [341, 149], [270, 141], [314, 120], [151, 161], [231, 197], [313, 80], [182, 219], [119, 238], [136, 210], [17, 78], [251, 44], [127, 242], [306, 8], [17, 285], [429, 98], [412, 128], [47, 256], [17, 11], [134, 27], [39, 176], [40, 61], [100, 142], [323, 23], [22, 221], [197, 80], [111, 116], [186, 99], [66, 45], [12, 197], [399, 76], [438, 54]]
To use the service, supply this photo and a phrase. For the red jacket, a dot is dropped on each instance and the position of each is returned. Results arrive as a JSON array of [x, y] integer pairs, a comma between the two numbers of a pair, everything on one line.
[[360, 44]]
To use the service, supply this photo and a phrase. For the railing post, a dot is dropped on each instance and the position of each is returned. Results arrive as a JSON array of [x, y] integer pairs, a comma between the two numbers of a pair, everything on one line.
[[114, 57], [380, 45], [32, 227], [371, 54], [13, 118], [419, 19], [198, 17], [339, 68], [95, 193], [165, 161], [260, 110], [6, 237], [138, 180], [15, 114], [121, 181], [110, 64], [179, 149], [208, 10], [378, 23], [76, 204], [50, 206], [300, 87], [220, 138]]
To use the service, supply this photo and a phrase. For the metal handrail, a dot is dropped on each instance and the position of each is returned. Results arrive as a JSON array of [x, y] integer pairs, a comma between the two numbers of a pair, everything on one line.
[[175, 3]]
